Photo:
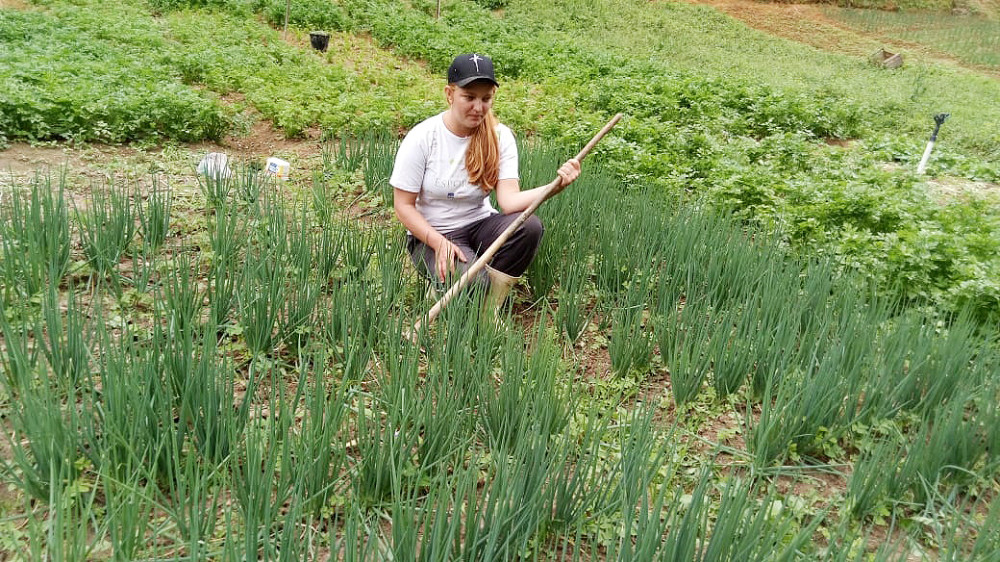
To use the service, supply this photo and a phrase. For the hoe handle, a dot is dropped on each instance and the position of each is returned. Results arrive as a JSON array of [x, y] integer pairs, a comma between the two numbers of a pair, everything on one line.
[[548, 190]]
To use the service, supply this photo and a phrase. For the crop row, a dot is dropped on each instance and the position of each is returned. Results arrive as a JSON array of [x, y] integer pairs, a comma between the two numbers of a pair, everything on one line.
[[248, 380]]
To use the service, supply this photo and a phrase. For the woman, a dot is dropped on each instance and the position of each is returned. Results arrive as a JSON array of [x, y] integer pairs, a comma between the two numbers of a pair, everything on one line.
[[446, 168]]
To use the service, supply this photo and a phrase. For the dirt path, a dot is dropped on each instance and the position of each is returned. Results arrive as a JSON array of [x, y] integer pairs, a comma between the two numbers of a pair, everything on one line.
[[811, 25]]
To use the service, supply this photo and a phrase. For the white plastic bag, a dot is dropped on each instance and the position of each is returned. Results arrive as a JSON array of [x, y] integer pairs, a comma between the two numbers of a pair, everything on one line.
[[215, 165]]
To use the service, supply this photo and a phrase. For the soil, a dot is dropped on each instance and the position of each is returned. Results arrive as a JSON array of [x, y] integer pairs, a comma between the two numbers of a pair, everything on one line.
[[810, 24], [948, 190], [262, 141]]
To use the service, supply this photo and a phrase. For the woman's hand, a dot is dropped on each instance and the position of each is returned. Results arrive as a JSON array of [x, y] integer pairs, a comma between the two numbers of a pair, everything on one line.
[[569, 171], [444, 257]]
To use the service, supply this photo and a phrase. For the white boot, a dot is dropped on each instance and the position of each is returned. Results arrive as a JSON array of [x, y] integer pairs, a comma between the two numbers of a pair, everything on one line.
[[500, 286]]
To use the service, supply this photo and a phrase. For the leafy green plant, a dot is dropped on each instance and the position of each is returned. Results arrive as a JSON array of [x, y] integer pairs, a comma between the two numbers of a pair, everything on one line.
[[733, 349], [45, 449], [303, 293], [228, 236], [942, 453], [871, 481], [380, 155], [386, 452], [257, 479], [128, 518], [319, 451], [217, 188], [259, 300], [346, 153], [97, 93], [632, 342], [65, 340], [501, 519], [315, 14], [571, 314]]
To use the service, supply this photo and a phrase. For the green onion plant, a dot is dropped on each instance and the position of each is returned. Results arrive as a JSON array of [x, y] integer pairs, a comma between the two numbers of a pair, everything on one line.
[[65, 339], [683, 337], [107, 226], [154, 216], [527, 402], [228, 237], [380, 155], [259, 301], [632, 342], [346, 153], [572, 315], [318, 450], [217, 188], [34, 239]]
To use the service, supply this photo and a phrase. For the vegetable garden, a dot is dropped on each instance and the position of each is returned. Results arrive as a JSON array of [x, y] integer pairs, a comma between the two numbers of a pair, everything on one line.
[[770, 347]]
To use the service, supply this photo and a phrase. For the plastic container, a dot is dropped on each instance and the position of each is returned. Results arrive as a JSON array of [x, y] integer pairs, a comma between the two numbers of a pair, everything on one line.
[[278, 168]]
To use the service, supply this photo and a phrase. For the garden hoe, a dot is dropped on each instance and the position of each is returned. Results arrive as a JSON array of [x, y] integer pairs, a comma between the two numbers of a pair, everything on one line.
[[548, 190], [938, 121]]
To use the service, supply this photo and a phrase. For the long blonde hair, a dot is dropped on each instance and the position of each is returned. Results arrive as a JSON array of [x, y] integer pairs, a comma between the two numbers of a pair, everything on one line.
[[482, 160]]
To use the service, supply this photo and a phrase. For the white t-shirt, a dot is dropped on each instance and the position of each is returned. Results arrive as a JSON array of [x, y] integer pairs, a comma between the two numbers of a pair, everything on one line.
[[431, 163]]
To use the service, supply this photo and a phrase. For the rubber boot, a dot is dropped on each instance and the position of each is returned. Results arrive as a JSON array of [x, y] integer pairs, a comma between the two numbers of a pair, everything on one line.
[[500, 286]]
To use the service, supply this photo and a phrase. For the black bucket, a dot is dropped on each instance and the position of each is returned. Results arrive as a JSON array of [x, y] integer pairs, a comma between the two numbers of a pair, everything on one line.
[[320, 40]]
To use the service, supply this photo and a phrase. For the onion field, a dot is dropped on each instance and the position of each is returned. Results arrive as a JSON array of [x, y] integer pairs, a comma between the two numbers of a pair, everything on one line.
[[739, 340]]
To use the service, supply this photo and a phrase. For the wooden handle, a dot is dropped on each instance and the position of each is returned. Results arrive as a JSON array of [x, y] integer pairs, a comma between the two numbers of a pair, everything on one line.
[[548, 190]]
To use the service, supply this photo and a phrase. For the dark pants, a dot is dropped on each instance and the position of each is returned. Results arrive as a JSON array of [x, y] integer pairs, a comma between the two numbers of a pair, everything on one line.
[[512, 258]]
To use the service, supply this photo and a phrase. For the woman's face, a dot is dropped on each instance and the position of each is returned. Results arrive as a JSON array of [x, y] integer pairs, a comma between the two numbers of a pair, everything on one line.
[[470, 104]]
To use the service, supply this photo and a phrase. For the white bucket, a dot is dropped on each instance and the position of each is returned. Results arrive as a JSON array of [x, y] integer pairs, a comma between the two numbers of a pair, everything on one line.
[[278, 168]]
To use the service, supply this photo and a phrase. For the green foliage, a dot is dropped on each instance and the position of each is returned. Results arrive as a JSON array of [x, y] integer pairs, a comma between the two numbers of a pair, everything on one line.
[[108, 226], [493, 4], [269, 374], [315, 14], [165, 5], [154, 216], [751, 141], [116, 89], [34, 239]]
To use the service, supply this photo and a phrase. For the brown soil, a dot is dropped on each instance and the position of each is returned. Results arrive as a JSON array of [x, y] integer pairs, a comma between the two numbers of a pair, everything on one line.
[[947, 190], [95, 163], [22, 159], [263, 141]]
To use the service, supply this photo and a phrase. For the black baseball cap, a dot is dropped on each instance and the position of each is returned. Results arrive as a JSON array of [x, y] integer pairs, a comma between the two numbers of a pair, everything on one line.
[[468, 68]]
